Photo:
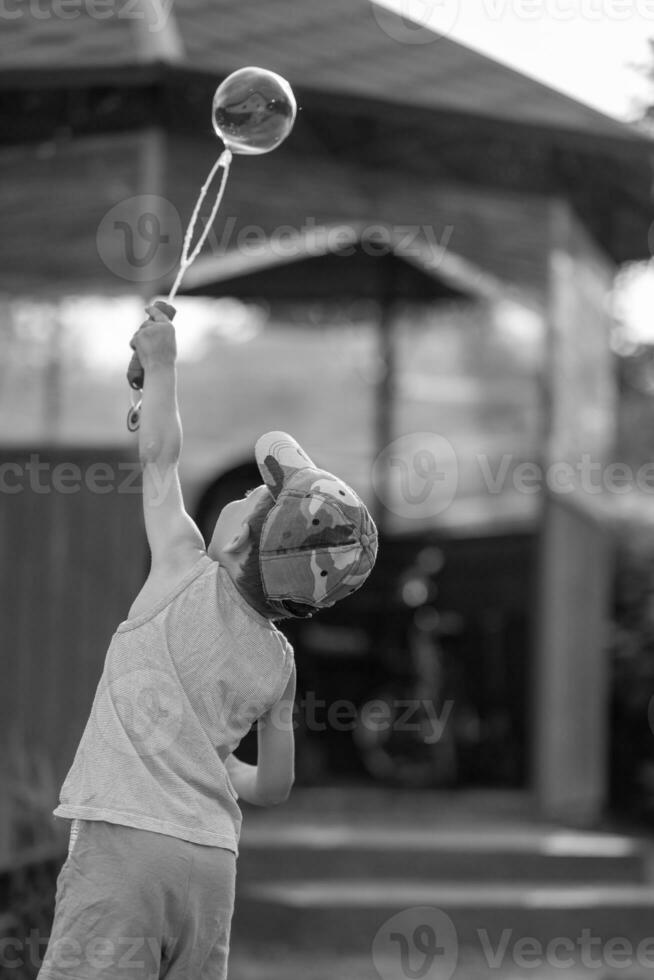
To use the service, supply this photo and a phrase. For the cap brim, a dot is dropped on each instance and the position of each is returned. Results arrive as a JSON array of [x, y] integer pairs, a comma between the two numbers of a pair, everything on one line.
[[278, 457]]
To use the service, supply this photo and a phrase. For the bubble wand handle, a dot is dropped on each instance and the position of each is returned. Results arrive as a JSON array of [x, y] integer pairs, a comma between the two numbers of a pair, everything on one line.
[[135, 372]]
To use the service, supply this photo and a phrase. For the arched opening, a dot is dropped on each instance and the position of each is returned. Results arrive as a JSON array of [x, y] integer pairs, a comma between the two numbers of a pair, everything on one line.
[[226, 487]]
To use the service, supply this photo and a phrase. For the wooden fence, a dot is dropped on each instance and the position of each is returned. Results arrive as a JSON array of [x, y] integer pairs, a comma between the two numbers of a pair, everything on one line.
[[73, 556]]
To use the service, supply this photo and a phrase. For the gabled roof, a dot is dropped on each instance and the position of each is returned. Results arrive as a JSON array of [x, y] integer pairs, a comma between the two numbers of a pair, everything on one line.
[[348, 47], [355, 47], [342, 261], [99, 35]]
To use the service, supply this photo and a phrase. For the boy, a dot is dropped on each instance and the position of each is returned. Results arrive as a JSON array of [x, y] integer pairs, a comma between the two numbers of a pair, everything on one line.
[[147, 889]]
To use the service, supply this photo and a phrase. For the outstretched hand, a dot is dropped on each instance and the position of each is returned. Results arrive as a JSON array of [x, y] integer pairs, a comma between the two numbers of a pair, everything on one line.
[[154, 341]]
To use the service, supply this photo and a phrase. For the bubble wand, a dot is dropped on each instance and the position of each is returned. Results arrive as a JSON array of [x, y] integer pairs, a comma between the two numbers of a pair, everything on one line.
[[253, 112]]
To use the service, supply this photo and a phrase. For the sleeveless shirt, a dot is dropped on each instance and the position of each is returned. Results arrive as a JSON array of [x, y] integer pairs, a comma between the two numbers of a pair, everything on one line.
[[181, 686]]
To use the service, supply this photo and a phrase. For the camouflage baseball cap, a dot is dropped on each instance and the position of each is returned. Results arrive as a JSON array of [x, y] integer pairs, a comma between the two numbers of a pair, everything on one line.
[[318, 543]]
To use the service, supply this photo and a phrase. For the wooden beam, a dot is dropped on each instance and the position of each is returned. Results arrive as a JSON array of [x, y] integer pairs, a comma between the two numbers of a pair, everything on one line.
[[158, 35]]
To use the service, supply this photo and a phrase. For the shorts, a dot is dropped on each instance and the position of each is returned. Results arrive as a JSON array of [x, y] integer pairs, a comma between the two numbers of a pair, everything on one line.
[[140, 905]]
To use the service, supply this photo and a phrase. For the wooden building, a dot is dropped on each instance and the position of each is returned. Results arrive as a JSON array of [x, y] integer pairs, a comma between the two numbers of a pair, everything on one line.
[[542, 193]]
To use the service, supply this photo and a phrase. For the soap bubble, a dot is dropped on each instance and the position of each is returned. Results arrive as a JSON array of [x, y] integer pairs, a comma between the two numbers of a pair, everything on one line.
[[253, 110]]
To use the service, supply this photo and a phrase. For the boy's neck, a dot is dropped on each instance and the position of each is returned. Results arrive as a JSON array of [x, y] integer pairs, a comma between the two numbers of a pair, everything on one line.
[[231, 564], [248, 601], [233, 568]]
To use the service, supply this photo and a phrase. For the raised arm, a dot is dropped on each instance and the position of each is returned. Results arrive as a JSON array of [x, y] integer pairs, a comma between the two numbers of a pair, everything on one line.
[[270, 781], [172, 534]]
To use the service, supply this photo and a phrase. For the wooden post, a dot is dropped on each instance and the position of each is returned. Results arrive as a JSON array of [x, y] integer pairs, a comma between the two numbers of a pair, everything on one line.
[[385, 395], [571, 671], [52, 376], [571, 697], [5, 813]]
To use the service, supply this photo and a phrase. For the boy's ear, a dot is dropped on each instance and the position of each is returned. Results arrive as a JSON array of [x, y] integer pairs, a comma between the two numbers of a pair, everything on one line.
[[239, 541]]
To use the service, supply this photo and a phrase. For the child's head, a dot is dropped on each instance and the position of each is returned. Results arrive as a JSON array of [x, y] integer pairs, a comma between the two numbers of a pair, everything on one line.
[[301, 541]]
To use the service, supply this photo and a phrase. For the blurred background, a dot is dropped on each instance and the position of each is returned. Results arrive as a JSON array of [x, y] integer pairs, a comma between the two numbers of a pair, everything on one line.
[[442, 285]]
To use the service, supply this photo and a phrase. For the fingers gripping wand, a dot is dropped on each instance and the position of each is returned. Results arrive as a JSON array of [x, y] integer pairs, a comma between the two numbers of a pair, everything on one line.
[[253, 112]]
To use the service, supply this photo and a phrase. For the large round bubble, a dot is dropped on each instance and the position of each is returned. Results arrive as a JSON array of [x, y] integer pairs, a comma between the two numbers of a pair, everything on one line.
[[253, 110]]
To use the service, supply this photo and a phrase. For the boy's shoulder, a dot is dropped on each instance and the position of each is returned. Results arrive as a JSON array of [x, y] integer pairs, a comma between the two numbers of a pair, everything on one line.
[[164, 579]]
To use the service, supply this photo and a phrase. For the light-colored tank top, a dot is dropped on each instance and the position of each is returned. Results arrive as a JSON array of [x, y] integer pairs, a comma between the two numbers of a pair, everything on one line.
[[182, 684]]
